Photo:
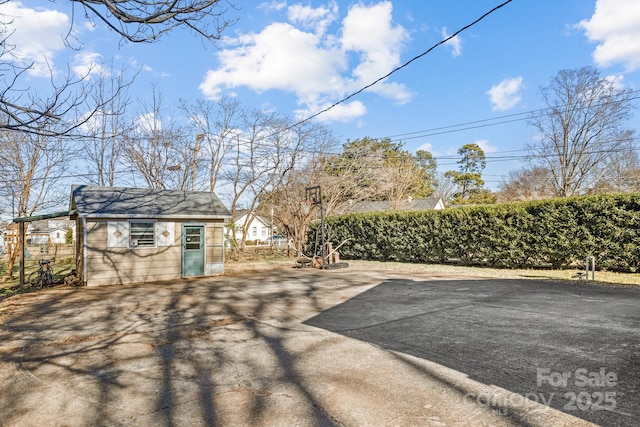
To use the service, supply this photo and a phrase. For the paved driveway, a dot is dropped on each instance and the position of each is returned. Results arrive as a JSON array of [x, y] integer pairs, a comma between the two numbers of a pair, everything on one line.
[[573, 347], [307, 347]]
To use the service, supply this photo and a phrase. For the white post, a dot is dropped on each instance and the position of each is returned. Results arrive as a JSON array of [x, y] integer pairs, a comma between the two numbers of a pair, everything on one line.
[[593, 268]]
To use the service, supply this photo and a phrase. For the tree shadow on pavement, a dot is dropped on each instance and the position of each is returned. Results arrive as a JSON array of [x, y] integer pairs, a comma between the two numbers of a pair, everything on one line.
[[193, 352], [522, 336], [246, 349]]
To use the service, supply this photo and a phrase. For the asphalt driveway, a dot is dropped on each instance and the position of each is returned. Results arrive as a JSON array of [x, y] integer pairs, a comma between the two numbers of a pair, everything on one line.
[[308, 347], [573, 347]]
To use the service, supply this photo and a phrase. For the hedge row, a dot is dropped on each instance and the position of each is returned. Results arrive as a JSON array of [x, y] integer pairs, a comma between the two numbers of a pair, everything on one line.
[[551, 233]]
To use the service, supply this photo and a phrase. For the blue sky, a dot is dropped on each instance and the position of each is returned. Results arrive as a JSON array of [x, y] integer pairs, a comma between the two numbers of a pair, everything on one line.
[[300, 57]]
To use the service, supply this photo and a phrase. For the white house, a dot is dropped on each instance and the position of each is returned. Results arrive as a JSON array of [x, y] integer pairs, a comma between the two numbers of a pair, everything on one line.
[[50, 231], [258, 229]]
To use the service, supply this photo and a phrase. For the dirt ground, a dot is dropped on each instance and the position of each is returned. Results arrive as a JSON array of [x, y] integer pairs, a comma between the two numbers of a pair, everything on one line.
[[239, 349]]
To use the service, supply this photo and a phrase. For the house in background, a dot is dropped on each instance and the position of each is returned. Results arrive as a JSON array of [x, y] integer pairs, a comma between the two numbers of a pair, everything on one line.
[[434, 203], [46, 232], [259, 228], [49, 232], [11, 237], [128, 235]]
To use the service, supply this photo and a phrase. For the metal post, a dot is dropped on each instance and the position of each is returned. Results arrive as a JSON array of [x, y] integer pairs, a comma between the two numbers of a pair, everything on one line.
[[323, 251], [314, 195], [593, 268], [21, 242]]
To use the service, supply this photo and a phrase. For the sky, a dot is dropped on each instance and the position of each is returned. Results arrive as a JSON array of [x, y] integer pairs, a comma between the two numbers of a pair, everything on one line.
[[299, 58]]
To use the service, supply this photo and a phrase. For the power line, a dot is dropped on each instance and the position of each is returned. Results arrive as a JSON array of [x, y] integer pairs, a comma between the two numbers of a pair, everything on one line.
[[475, 124], [441, 42]]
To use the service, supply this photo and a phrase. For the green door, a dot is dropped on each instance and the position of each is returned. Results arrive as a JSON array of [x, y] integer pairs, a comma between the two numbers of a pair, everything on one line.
[[192, 250]]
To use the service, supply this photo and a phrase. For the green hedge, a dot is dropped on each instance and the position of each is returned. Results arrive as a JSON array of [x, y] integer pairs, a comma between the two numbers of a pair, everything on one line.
[[550, 233]]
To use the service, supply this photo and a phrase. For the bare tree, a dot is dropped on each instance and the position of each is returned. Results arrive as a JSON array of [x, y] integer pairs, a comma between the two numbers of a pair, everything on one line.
[[21, 109], [284, 203], [444, 188], [526, 184], [216, 128], [158, 150], [48, 113], [267, 149], [250, 166], [581, 129], [106, 131], [30, 168], [622, 174], [284, 206]]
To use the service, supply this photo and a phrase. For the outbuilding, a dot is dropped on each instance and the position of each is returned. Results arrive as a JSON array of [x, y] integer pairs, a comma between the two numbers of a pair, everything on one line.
[[129, 235]]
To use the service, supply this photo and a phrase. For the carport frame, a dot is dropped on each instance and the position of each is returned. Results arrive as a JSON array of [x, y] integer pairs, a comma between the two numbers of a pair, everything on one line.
[[21, 221]]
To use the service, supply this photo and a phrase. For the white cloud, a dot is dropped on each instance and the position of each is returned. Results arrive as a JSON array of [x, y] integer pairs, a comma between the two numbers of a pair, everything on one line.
[[87, 63], [486, 147], [317, 19], [427, 146], [506, 94], [143, 67], [273, 5], [303, 57], [36, 34], [280, 57], [455, 43], [615, 26], [616, 80], [147, 123], [344, 112], [369, 31]]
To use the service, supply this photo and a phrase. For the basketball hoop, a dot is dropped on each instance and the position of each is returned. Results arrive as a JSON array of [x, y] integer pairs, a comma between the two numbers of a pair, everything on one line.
[[305, 206]]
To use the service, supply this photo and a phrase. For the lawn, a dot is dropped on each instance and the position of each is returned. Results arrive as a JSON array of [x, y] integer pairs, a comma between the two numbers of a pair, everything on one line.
[[62, 267]]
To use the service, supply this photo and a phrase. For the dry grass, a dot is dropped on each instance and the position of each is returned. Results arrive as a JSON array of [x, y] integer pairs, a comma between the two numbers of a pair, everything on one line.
[[605, 277], [602, 277]]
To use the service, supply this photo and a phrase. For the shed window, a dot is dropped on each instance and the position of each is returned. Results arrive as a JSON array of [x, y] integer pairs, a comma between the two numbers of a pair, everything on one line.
[[142, 234]]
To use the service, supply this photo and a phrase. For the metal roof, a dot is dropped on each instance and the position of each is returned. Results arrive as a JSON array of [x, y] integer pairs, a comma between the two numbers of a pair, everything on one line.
[[120, 202], [41, 217]]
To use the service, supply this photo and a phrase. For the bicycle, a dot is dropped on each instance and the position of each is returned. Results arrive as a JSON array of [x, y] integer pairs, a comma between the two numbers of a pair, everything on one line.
[[44, 276]]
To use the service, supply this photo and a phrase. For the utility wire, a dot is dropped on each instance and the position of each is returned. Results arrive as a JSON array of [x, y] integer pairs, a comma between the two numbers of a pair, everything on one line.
[[509, 118], [441, 42]]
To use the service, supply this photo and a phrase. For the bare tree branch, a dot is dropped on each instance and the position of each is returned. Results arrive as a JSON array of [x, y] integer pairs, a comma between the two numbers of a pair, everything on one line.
[[141, 21], [134, 20], [585, 125]]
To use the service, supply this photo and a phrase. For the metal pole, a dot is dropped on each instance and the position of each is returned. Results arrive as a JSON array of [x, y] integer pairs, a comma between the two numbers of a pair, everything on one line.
[[593, 268], [21, 254], [322, 234]]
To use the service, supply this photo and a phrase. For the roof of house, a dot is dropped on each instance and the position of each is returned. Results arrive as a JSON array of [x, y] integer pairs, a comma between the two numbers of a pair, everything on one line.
[[120, 202], [410, 205], [49, 225], [241, 213]]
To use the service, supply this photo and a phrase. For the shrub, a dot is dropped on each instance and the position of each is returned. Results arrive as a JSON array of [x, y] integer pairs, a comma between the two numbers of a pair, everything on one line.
[[551, 233]]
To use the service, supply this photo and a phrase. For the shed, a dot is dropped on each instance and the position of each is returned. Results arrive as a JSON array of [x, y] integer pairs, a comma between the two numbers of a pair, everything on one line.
[[129, 235]]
